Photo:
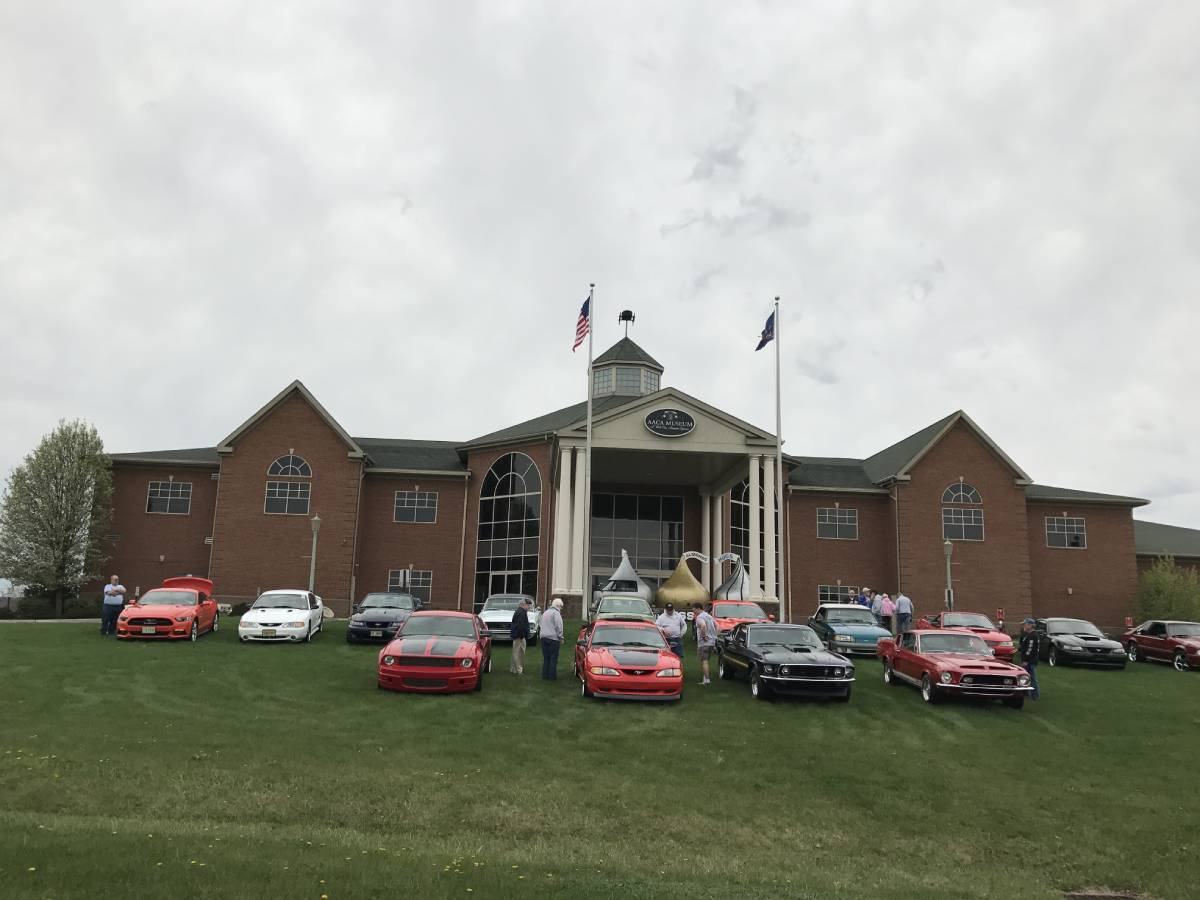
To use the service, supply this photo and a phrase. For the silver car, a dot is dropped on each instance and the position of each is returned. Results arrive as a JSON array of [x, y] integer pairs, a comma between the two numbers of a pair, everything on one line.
[[497, 615]]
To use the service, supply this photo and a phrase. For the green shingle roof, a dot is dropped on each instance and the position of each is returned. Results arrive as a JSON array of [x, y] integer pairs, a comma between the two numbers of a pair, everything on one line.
[[552, 421], [627, 351], [1046, 492], [830, 472], [1154, 539], [190, 457], [431, 456], [888, 462]]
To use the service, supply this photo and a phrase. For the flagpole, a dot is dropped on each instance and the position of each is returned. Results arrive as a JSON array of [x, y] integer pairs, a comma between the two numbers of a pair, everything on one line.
[[781, 497], [585, 597]]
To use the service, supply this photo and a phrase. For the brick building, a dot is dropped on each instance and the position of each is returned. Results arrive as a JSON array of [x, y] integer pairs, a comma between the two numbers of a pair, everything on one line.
[[458, 520]]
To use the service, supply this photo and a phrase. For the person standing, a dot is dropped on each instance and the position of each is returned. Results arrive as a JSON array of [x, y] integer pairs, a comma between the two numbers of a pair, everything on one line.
[[1030, 648], [519, 632], [888, 610], [864, 597], [706, 637], [672, 625], [904, 613], [877, 606], [114, 602], [551, 639]]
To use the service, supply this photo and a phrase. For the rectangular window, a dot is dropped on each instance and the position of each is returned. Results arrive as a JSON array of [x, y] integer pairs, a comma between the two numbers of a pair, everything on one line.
[[836, 593], [170, 497], [629, 381], [420, 582], [651, 382], [1066, 531], [416, 506], [962, 524], [287, 498], [602, 382], [649, 527], [837, 523]]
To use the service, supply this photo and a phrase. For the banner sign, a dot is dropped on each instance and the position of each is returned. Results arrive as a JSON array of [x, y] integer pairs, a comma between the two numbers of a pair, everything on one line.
[[669, 423]]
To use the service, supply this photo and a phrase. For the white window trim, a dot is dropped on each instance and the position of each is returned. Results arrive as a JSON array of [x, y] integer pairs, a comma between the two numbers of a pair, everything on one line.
[[1046, 533], [151, 512], [428, 572], [982, 523], [289, 474], [821, 537], [837, 589], [396, 497], [267, 512]]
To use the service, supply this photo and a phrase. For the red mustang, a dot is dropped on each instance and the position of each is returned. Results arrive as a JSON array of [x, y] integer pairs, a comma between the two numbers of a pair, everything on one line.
[[1175, 642], [182, 609], [627, 660], [947, 662], [730, 613], [437, 651], [1002, 645]]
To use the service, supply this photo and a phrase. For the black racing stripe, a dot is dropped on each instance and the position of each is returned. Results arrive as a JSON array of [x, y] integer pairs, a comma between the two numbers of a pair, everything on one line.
[[413, 646], [635, 658], [446, 646]]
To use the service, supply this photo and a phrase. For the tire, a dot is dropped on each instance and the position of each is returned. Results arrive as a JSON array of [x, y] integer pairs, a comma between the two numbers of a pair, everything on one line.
[[1180, 661], [929, 692], [479, 682], [488, 667], [1131, 650], [216, 625], [759, 689], [843, 698], [1052, 658], [1014, 702], [724, 672], [889, 674], [583, 689], [308, 636], [194, 633]]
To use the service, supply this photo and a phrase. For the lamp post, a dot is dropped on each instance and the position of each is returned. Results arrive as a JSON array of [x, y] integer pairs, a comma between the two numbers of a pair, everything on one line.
[[312, 562], [948, 549]]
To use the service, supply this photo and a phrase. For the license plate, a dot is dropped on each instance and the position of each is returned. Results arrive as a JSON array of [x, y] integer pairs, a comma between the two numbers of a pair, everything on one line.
[[377, 633], [148, 629], [268, 632]]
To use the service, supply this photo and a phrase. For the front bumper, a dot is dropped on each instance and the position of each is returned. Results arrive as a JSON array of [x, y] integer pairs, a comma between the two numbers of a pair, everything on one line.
[[635, 688], [1089, 658], [428, 681], [278, 634], [809, 687], [986, 690], [858, 648], [359, 635], [174, 631]]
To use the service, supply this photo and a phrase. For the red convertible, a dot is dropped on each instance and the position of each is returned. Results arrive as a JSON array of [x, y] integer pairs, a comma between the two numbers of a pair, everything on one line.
[[437, 651], [182, 609], [626, 660], [730, 613], [976, 623], [950, 662], [1175, 642]]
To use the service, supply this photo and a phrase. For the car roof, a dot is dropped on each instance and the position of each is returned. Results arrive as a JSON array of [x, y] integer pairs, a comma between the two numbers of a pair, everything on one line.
[[456, 613], [842, 606], [953, 631], [774, 625], [738, 602], [285, 591], [507, 597], [634, 623]]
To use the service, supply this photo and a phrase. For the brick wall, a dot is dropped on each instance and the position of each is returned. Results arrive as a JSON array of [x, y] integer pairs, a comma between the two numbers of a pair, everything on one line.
[[986, 574], [142, 537], [386, 544], [1102, 578], [253, 550]]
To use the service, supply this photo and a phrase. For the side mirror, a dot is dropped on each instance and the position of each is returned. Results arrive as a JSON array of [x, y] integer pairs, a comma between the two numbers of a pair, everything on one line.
[[770, 617]]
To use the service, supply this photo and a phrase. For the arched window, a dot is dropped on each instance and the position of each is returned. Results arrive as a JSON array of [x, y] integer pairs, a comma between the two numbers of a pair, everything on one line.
[[963, 521], [506, 555], [739, 525], [961, 492], [291, 465]]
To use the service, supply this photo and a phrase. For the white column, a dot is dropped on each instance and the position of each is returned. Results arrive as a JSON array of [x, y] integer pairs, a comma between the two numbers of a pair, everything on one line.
[[718, 537], [754, 563], [578, 566], [769, 530], [561, 579], [706, 540]]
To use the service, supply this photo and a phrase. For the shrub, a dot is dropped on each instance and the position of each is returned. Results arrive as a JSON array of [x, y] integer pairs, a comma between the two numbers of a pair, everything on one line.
[[36, 608], [1167, 591], [79, 608]]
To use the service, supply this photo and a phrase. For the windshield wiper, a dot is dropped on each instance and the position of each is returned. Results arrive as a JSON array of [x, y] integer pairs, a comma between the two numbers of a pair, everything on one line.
[[640, 644]]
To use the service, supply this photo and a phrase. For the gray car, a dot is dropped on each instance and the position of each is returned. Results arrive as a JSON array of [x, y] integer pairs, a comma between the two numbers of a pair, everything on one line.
[[497, 615]]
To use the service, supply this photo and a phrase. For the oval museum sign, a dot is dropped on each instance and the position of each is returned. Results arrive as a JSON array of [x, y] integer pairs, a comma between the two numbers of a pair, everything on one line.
[[669, 423]]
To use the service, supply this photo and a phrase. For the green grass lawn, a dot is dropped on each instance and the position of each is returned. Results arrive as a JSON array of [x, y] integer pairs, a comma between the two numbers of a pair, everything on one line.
[[219, 770]]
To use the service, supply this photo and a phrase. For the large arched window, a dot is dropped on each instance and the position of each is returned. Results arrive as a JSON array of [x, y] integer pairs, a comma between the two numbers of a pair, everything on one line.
[[964, 520], [291, 465], [506, 555], [288, 498], [739, 526]]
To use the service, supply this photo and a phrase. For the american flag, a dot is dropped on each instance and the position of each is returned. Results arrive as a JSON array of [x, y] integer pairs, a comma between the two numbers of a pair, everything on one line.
[[583, 324]]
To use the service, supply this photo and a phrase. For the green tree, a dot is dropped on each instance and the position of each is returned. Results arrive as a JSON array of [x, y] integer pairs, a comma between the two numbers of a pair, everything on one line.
[[55, 513], [1167, 591]]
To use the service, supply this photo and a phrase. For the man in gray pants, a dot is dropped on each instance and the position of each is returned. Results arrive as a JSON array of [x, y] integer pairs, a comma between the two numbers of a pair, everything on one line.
[[114, 602]]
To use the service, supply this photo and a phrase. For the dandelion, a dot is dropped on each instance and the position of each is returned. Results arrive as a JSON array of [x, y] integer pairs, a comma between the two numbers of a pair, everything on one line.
[[33, 868]]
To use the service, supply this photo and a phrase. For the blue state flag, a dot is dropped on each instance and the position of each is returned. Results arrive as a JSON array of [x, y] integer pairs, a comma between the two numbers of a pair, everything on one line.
[[768, 333]]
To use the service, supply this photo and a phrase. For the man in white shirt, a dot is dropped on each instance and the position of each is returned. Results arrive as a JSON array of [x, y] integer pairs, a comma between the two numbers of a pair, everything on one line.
[[904, 613], [672, 625], [114, 602]]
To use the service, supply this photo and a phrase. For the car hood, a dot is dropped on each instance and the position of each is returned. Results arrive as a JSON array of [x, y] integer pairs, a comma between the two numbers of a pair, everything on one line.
[[274, 615], [1074, 640], [805, 657], [382, 614], [985, 633], [641, 617], [632, 658], [861, 631], [961, 662], [724, 622], [432, 645], [159, 610]]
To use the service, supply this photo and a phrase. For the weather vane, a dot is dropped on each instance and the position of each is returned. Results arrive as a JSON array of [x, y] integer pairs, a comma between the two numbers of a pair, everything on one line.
[[627, 317]]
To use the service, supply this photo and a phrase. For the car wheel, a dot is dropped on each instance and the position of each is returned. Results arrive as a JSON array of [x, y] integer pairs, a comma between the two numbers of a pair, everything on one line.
[[724, 671], [929, 693], [1014, 702], [216, 625], [1180, 662], [583, 689], [759, 689], [889, 673], [489, 665], [1053, 658], [308, 635], [194, 633], [1131, 650]]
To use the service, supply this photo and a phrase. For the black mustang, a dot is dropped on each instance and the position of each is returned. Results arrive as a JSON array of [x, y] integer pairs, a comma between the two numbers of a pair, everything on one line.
[[377, 619], [1078, 642], [788, 659]]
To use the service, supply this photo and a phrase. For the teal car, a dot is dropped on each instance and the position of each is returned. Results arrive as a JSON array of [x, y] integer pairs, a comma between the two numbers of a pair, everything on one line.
[[847, 628]]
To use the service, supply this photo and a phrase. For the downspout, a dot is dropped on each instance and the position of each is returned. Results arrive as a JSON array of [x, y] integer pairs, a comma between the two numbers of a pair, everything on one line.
[[462, 547], [216, 504], [896, 501], [362, 474], [787, 548]]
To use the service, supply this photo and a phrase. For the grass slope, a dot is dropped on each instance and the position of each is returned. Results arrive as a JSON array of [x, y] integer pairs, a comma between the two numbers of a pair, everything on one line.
[[218, 770]]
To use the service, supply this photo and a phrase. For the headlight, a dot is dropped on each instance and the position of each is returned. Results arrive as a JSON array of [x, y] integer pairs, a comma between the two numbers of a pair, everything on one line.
[[838, 673], [295, 625], [467, 663], [1023, 680], [669, 673], [603, 670], [769, 670], [844, 637], [389, 660], [183, 618], [1007, 644], [947, 678]]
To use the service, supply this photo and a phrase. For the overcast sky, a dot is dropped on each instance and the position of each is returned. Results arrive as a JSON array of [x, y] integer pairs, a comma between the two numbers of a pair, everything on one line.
[[993, 207]]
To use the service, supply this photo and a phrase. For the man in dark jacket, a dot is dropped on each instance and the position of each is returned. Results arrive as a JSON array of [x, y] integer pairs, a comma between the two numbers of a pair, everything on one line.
[[519, 633], [1030, 648]]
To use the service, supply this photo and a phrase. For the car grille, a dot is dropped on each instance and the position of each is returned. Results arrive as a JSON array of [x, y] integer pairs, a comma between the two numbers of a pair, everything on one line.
[[266, 624], [149, 621], [425, 682], [376, 624], [990, 680], [427, 662], [812, 671], [637, 671]]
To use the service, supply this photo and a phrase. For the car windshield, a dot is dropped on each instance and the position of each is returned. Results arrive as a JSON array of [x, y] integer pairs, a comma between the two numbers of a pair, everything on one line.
[[447, 626], [388, 601], [618, 586], [501, 603], [619, 605], [168, 598], [281, 601], [794, 636], [625, 636], [738, 611], [954, 643], [850, 617], [1184, 629], [967, 620], [1072, 626]]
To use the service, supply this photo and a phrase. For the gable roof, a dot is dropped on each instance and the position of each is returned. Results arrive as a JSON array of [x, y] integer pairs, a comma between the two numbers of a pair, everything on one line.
[[550, 422], [1069, 495], [1155, 539], [196, 456], [626, 350], [298, 387], [896, 461], [410, 455], [628, 404]]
